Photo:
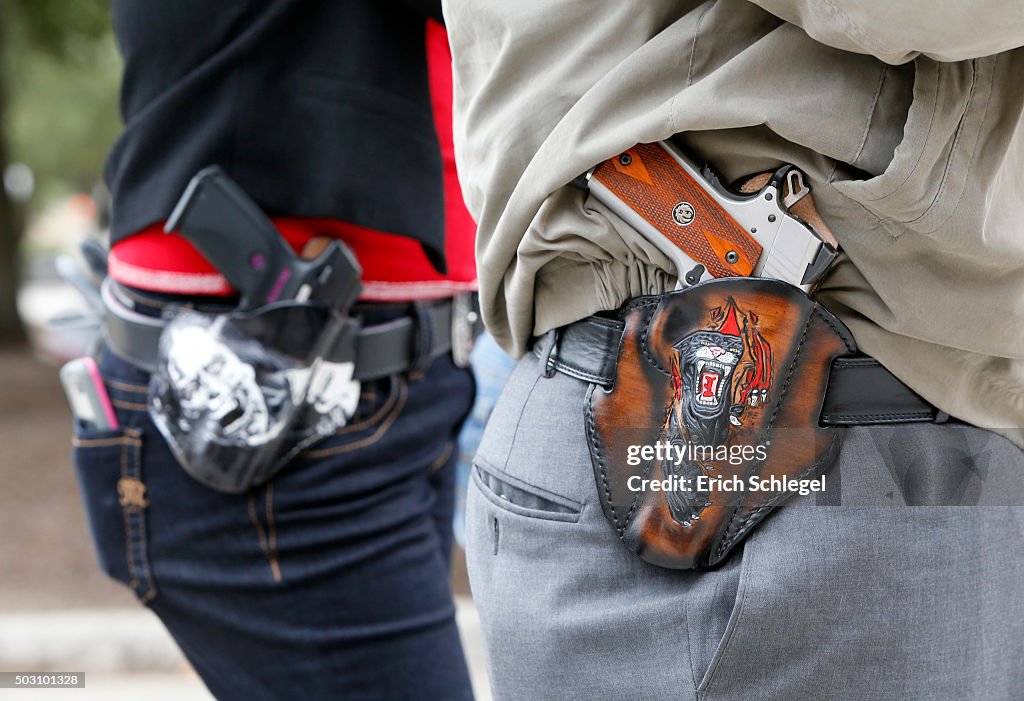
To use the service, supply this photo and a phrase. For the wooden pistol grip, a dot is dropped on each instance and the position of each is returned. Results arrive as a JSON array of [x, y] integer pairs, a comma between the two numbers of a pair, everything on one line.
[[651, 183]]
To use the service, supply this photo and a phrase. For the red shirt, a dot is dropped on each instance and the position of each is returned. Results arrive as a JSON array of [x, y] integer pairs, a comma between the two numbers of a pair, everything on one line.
[[394, 267]]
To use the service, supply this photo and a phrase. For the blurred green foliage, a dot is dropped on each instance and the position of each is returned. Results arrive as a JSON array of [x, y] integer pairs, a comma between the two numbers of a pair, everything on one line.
[[58, 114], [61, 70]]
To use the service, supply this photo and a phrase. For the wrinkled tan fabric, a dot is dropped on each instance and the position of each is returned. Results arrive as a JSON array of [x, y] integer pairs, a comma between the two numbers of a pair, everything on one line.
[[905, 116]]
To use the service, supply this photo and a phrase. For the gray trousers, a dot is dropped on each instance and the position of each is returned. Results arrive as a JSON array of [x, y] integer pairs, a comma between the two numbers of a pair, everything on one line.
[[880, 597]]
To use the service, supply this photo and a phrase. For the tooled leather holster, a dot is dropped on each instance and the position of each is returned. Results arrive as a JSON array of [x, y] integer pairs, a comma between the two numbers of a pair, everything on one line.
[[727, 379]]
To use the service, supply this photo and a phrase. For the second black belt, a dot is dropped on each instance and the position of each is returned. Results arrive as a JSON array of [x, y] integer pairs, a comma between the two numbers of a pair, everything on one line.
[[861, 390]]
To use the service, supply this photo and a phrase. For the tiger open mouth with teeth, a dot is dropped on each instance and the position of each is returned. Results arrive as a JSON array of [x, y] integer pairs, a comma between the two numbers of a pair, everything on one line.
[[703, 407], [700, 410], [707, 360], [713, 376]]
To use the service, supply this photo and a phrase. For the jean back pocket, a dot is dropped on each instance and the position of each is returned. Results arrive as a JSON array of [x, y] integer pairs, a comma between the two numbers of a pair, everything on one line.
[[108, 465]]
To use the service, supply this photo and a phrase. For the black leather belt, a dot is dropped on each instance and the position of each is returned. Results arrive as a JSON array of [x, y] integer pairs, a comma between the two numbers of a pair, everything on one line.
[[396, 346], [860, 390]]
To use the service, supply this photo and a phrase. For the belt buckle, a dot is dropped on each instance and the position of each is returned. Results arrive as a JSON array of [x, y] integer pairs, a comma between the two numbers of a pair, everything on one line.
[[465, 326]]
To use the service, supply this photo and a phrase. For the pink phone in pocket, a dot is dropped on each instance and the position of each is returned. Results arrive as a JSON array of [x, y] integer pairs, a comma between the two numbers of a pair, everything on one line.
[[87, 394]]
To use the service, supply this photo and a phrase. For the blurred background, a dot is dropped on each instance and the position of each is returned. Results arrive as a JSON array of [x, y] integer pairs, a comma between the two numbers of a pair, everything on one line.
[[59, 76]]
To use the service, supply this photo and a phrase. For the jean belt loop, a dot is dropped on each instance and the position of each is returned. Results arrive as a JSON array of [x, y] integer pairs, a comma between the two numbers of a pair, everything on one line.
[[549, 352], [423, 338]]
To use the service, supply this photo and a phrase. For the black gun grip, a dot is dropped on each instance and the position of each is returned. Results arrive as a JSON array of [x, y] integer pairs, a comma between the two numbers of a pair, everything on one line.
[[238, 239]]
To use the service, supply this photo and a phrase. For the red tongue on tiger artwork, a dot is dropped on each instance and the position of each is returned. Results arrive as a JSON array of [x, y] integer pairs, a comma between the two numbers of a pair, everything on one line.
[[709, 380]]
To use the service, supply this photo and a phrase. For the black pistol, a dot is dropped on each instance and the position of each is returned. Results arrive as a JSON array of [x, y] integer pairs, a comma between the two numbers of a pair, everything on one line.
[[241, 242]]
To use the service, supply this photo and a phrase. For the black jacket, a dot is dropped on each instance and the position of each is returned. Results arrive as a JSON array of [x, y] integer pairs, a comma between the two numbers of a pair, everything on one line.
[[317, 108]]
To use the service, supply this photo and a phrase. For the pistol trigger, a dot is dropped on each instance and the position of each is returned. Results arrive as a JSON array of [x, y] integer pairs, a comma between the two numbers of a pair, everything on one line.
[[795, 188], [710, 176]]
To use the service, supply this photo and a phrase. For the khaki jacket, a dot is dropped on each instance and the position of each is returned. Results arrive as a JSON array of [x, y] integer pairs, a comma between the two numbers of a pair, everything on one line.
[[906, 117]]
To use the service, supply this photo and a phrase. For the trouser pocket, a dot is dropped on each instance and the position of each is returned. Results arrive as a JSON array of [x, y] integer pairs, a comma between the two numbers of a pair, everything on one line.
[[108, 465]]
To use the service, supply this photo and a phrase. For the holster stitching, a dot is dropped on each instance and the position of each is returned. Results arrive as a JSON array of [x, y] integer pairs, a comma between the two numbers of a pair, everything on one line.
[[644, 349], [578, 373], [595, 444], [842, 333]]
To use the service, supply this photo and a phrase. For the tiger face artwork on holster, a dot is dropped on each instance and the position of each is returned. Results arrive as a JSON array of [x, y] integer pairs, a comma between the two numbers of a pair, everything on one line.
[[713, 415]]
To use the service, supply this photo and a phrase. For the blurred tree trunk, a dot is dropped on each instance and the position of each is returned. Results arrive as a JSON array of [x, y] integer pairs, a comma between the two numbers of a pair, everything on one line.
[[11, 224]]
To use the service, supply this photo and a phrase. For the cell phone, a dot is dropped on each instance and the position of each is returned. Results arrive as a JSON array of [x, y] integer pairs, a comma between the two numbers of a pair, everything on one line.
[[87, 395]]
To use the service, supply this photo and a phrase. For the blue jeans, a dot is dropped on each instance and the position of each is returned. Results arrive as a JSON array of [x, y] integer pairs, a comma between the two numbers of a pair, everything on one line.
[[330, 581]]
